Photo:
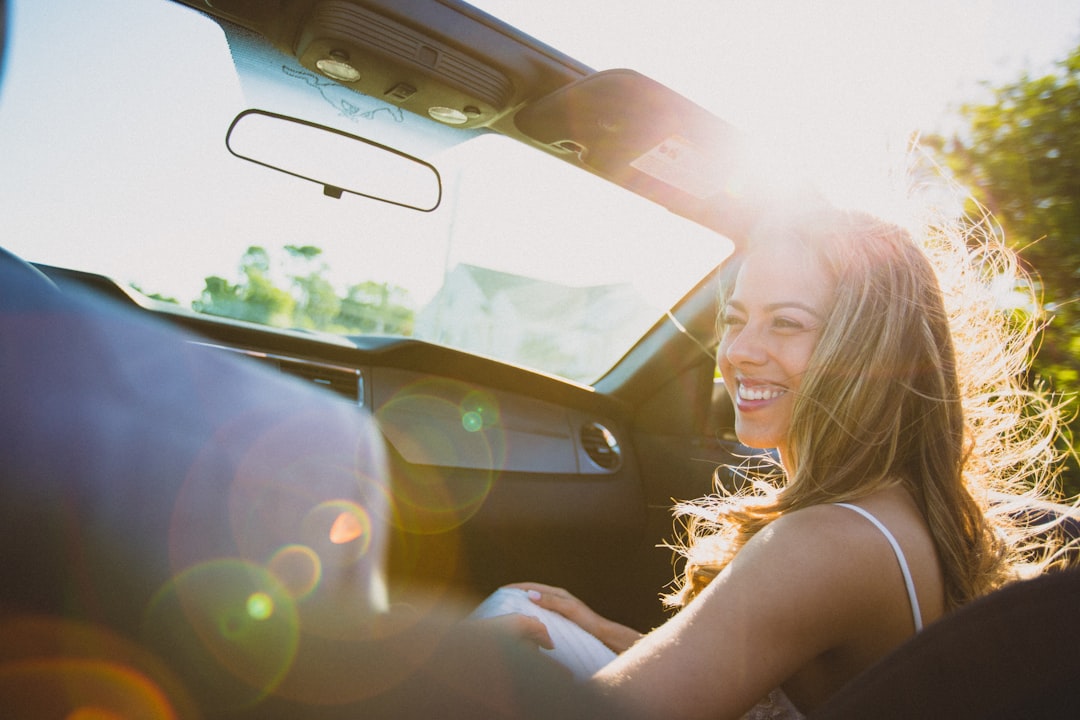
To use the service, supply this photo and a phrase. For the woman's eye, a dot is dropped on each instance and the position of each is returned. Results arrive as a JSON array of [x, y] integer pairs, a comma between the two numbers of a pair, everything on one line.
[[731, 321], [785, 323]]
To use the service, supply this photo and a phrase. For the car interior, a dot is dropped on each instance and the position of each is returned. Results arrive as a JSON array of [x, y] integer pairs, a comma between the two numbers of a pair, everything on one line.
[[499, 472], [150, 442]]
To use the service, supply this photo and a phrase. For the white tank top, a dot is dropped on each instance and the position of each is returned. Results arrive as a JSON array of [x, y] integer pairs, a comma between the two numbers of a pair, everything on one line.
[[916, 613], [777, 705]]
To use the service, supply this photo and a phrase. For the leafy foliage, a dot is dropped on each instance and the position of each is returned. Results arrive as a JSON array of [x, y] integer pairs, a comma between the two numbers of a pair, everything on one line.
[[305, 299], [1022, 162]]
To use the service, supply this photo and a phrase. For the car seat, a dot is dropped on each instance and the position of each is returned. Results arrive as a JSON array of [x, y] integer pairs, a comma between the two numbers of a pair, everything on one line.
[[1012, 654]]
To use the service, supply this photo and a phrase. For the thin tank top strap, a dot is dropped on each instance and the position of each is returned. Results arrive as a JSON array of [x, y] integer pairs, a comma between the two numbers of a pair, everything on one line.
[[916, 613]]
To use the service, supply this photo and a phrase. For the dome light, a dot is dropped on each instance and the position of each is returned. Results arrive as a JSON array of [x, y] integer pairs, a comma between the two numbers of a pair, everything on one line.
[[450, 116], [336, 67]]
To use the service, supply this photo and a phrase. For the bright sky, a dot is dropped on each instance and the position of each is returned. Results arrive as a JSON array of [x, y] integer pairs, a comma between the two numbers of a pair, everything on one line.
[[93, 182], [834, 85]]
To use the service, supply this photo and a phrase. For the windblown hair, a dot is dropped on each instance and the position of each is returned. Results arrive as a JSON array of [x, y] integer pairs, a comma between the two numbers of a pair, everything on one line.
[[918, 379]]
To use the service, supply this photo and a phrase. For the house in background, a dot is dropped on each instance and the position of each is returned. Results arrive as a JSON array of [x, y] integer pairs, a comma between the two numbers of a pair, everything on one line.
[[499, 314]]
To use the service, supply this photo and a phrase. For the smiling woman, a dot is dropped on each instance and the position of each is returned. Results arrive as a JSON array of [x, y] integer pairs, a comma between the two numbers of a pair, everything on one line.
[[906, 450]]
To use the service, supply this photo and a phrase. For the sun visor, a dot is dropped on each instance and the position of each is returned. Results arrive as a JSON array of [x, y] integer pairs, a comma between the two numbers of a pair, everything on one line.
[[647, 138], [274, 81]]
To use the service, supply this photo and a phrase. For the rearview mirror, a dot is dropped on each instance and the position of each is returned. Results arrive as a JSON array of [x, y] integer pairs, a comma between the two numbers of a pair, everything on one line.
[[338, 161]]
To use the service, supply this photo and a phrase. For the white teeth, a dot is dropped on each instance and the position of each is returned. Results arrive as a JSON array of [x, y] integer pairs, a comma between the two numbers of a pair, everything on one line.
[[759, 393]]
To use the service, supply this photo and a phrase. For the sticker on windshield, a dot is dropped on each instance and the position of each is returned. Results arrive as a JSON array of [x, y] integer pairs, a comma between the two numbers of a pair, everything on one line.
[[260, 65], [681, 164]]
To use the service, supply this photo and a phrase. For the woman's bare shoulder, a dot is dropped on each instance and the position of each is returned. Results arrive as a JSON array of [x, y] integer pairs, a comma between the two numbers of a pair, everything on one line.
[[829, 523], [830, 556], [817, 531], [838, 559]]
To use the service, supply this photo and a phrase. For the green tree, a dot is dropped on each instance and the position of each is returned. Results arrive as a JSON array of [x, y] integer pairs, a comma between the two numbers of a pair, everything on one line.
[[156, 296], [317, 303], [373, 308], [255, 298], [306, 298], [1021, 161]]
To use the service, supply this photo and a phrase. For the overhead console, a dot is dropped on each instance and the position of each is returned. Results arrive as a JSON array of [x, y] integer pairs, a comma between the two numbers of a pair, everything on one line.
[[387, 60]]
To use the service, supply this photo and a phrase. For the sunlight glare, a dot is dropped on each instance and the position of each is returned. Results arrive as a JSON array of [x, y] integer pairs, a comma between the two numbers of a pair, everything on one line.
[[346, 528]]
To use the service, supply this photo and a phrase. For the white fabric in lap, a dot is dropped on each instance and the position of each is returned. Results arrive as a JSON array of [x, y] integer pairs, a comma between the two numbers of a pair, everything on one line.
[[575, 648]]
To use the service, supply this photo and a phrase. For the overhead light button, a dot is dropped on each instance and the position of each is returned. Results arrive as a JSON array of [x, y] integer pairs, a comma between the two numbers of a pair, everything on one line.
[[400, 92]]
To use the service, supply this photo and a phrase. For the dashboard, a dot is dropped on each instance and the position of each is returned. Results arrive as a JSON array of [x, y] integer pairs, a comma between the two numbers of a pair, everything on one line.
[[498, 473]]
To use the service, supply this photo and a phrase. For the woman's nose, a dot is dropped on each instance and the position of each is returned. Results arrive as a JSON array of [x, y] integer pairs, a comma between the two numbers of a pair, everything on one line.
[[745, 347]]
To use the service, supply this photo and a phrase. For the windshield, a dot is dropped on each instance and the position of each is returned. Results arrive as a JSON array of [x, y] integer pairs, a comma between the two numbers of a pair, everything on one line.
[[115, 162]]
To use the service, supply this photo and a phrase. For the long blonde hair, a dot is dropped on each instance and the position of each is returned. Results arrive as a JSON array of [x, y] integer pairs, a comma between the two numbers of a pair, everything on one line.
[[917, 380]]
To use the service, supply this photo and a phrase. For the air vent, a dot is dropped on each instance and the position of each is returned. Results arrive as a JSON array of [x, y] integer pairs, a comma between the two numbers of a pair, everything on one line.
[[347, 382], [601, 446], [344, 381]]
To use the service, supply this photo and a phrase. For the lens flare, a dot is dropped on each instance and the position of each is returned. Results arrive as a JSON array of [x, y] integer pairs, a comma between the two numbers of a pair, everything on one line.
[[338, 531], [229, 626], [78, 688], [450, 439], [472, 421], [58, 668], [298, 569], [260, 606], [94, 713], [256, 480], [482, 407], [346, 528]]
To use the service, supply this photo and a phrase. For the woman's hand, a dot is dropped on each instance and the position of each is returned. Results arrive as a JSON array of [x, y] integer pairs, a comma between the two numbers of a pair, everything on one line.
[[617, 637], [517, 626]]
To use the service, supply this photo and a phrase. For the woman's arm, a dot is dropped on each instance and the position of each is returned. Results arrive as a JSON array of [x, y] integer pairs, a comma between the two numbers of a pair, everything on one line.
[[800, 588]]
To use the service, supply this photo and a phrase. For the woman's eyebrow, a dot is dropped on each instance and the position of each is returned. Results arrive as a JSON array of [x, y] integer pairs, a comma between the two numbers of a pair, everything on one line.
[[781, 305]]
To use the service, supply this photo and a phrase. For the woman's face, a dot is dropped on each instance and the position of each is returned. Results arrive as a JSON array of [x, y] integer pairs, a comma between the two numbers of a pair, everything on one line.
[[768, 331]]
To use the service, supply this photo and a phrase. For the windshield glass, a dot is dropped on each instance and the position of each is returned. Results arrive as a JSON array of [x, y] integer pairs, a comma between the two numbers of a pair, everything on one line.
[[115, 162]]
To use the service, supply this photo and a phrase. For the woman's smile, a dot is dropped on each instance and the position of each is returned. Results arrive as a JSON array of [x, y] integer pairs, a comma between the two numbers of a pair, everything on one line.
[[752, 395]]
